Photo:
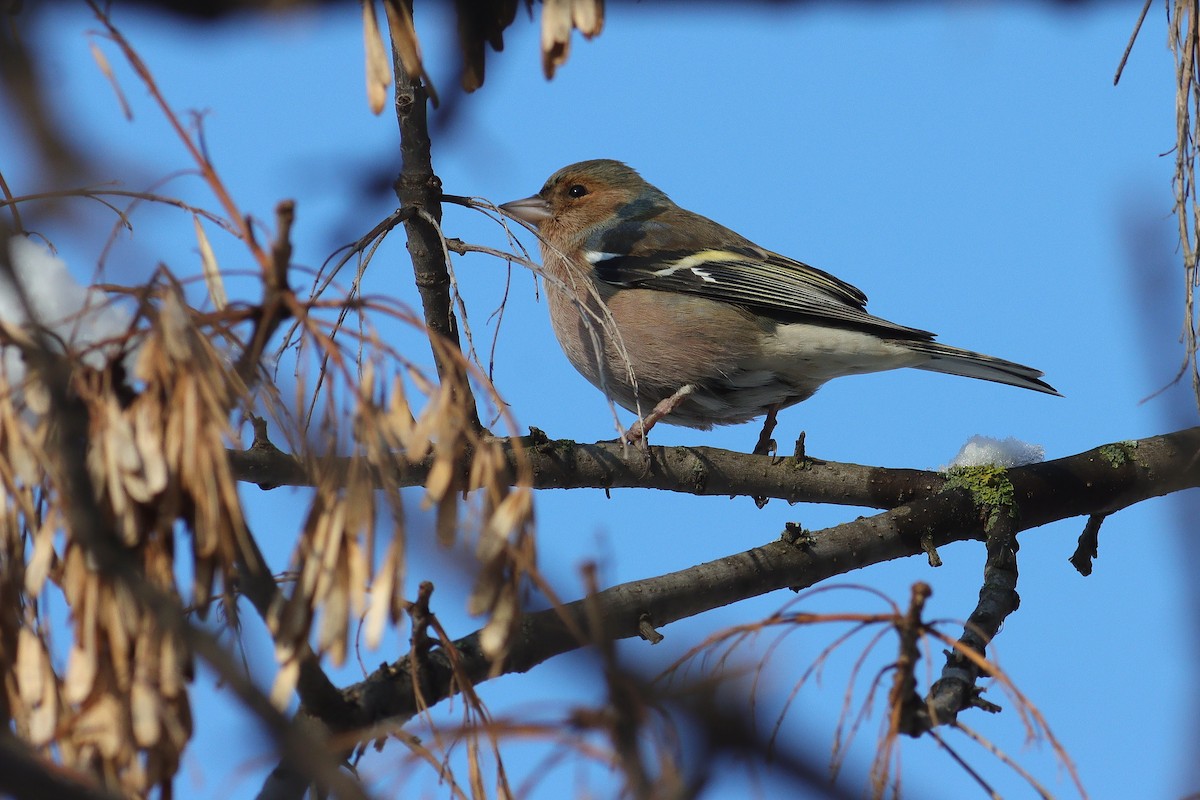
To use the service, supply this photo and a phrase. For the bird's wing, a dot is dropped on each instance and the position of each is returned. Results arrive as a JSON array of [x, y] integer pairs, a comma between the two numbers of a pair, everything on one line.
[[766, 282]]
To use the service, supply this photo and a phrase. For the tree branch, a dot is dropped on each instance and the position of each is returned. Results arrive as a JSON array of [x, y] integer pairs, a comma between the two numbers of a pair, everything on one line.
[[1082, 484], [563, 464], [419, 188], [25, 775], [955, 690]]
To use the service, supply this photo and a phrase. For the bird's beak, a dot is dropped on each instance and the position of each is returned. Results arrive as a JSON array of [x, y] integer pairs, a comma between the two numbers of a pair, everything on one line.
[[533, 210]]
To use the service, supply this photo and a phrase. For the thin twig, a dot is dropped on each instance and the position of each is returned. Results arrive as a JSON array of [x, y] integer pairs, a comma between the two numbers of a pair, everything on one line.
[[1132, 38]]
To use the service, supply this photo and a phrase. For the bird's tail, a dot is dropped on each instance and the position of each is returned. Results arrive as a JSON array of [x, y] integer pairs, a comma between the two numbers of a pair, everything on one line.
[[956, 361]]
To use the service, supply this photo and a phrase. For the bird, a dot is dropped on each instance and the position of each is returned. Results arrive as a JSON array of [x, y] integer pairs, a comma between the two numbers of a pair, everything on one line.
[[680, 319]]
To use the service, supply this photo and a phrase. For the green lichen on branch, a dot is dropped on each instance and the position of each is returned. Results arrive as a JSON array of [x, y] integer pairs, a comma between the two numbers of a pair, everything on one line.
[[990, 489], [1118, 454]]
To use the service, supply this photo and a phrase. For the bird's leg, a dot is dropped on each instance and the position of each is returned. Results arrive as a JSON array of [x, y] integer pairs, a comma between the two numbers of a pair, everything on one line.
[[638, 430], [766, 445]]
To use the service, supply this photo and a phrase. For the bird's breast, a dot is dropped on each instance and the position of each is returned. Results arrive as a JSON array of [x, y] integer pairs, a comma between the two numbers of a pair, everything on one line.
[[640, 346]]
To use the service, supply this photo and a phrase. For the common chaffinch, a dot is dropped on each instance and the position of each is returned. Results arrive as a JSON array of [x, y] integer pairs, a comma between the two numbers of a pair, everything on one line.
[[680, 319]]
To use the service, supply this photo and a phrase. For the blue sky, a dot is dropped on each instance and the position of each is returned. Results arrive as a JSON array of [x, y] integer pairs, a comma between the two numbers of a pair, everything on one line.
[[970, 166]]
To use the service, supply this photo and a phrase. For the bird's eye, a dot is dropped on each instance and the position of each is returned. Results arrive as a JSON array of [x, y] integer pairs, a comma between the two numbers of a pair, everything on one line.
[[578, 190]]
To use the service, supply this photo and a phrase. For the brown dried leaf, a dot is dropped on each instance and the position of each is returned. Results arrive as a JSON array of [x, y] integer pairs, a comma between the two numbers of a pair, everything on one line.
[[556, 34], [382, 591], [329, 549], [334, 613], [107, 71], [404, 39], [174, 332], [285, 682], [177, 722], [24, 454], [35, 393], [509, 516], [82, 667], [366, 384], [289, 624], [588, 16], [479, 23], [358, 573], [404, 35], [119, 619], [101, 723], [172, 661], [559, 18], [210, 269], [145, 708], [497, 633], [147, 432], [402, 425], [437, 484], [76, 581], [447, 519], [378, 68], [30, 660], [44, 716], [42, 557]]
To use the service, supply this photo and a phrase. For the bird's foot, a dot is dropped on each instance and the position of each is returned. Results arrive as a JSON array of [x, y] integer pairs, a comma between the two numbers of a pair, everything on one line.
[[766, 445], [638, 430]]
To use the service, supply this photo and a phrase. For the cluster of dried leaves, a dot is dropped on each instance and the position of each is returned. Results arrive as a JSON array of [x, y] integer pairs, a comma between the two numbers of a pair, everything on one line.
[[164, 533], [336, 561], [157, 463], [480, 22]]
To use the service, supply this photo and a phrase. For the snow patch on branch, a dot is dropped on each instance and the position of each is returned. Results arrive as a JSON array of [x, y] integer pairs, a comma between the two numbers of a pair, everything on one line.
[[79, 319], [981, 451]]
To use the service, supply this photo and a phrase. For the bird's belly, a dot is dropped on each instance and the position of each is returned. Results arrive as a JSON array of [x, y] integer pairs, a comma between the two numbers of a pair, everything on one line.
[[808, 354], [739, 366]]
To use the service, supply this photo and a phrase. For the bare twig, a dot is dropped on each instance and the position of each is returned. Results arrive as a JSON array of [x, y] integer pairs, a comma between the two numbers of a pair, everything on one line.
[[955, 691], [1132, 38], [419, 188]]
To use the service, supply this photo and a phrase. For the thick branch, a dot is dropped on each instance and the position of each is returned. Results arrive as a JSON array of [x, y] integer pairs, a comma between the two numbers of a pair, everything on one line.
[[562, 464], [1082, 484]]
